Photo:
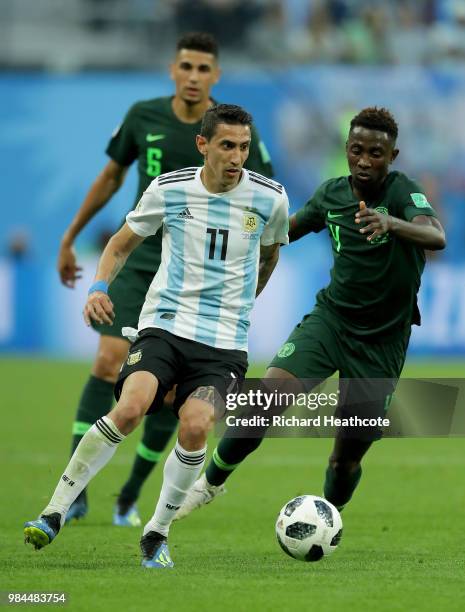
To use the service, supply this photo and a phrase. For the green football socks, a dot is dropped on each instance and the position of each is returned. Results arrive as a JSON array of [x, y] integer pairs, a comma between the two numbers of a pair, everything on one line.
[[227, 456], [96, 401]]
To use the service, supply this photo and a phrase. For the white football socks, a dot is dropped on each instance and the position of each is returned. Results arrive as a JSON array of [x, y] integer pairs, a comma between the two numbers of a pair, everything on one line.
[[95, 450], [179, 474]]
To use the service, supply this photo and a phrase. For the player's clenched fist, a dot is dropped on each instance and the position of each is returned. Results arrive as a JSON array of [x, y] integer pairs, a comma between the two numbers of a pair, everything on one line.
[[376, 223], [98, 308]]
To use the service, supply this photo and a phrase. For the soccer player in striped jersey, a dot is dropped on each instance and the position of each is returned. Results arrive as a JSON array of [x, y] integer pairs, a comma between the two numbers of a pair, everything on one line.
[[159, 134], [222, 227]]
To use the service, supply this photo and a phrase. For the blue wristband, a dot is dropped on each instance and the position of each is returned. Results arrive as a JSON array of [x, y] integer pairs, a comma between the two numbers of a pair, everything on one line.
[[98, 286]]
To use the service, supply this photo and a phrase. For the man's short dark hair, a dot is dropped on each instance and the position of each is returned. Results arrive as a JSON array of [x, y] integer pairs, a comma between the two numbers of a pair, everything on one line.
[[374, 118], [198, 41], [223, 113]]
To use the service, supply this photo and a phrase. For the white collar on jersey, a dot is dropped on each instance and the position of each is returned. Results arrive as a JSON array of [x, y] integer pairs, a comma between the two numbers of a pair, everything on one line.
[[238, 188]]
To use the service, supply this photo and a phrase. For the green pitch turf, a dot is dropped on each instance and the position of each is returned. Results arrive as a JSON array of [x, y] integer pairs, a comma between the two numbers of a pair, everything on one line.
[[402, 549]]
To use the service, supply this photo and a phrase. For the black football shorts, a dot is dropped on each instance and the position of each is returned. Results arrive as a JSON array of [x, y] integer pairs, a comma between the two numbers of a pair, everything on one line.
[[182, 362]]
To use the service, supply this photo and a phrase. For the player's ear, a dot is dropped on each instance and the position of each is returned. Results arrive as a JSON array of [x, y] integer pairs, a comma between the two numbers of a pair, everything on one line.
[[202, 144], [172, 71], [216, 75], [395, 153]]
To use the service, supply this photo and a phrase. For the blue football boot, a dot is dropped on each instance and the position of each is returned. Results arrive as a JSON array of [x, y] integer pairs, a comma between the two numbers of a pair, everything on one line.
[[126, 516], [155, 551], [42, 531]]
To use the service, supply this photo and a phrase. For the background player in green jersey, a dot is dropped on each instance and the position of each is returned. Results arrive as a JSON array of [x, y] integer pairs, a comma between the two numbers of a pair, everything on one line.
[[379, 222], [160, 135]]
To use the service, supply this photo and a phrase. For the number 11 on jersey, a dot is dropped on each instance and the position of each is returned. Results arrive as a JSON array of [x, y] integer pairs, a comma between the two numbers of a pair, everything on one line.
[[224, 246]]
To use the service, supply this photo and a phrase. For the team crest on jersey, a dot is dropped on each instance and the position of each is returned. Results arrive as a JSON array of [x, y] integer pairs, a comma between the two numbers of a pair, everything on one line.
[[250, 222], [133, 358]]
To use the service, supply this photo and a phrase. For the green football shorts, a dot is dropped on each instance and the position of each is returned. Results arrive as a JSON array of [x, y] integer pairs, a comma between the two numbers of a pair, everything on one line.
[[319, 346], [368, 368]]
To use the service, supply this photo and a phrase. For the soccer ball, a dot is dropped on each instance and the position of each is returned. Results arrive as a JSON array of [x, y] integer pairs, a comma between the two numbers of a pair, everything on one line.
[[309, 528]]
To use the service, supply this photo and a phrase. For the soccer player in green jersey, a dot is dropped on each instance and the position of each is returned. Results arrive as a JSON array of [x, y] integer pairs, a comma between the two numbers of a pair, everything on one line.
[[380, 223], [159, 134]]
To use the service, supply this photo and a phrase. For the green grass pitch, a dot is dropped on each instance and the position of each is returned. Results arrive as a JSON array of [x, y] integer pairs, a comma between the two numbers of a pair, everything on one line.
[[402, 549]]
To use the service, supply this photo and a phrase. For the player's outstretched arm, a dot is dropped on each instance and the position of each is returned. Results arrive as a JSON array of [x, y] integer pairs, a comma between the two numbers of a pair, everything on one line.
[[105, 185], [423, 230], [99, 307], [269, 256]]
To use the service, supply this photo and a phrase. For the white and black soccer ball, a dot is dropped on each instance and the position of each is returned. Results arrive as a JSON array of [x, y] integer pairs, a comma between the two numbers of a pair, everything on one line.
[[309, 528]]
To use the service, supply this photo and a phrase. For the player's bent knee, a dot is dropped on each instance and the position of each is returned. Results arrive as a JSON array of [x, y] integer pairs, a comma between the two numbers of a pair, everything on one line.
[[193, 429], [131, 409], [197, 428], [127, 416]]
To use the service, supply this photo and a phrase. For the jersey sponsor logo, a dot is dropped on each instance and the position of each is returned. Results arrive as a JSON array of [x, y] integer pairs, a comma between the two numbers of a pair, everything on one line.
[[133, 358], [154, 137], [333, 215], [185, 214], [168, 315], [420, 200], [286, 350]]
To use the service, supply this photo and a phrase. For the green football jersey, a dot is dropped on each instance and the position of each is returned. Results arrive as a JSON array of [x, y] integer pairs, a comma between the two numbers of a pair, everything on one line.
[[153, 135], [374, 285]]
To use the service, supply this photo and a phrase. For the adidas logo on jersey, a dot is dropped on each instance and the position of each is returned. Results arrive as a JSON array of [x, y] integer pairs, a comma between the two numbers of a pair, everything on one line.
[[185, 214]]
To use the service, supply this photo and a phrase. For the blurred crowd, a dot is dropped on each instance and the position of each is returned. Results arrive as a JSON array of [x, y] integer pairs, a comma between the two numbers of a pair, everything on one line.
[[80, 34], [334, 31]]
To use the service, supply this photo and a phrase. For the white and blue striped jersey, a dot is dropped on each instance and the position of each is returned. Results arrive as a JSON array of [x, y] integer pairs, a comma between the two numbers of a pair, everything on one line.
[[205, 286]]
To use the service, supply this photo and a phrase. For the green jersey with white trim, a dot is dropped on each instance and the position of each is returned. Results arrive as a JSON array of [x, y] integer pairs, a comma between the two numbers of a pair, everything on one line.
[[153, 135], [374, 285]]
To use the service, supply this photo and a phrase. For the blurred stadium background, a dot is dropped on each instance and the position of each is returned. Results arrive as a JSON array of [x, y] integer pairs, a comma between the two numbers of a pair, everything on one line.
[[70, 70]]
